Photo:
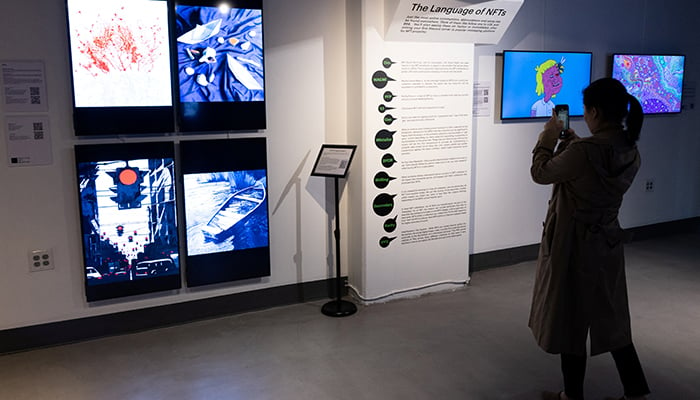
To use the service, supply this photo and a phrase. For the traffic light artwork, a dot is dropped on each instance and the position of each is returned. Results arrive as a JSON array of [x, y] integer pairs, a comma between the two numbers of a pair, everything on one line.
[[128, 218], [128, 181]]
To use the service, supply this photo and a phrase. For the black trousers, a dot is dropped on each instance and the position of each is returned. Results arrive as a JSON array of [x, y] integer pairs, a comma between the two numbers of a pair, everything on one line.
[[573, 368]]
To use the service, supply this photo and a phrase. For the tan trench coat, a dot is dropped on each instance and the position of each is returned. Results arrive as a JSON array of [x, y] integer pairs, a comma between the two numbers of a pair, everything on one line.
[[580, 286]]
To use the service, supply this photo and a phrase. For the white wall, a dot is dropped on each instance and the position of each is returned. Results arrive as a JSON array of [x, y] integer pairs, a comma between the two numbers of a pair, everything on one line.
[[313, 100], [508, 207]]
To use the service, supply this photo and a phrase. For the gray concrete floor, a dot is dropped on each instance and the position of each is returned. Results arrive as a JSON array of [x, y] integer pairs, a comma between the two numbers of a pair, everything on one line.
[[471, 343]]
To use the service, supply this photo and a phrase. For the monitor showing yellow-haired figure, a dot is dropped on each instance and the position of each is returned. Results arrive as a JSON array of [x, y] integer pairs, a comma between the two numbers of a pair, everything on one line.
[[533, 78], [549, 83]]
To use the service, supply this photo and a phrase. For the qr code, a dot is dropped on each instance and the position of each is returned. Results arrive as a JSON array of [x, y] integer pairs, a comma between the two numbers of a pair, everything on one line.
[[38, 130], [343, 163], [34, 95]]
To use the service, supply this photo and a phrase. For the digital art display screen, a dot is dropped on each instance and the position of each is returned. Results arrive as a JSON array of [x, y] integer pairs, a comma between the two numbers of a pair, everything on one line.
[[220, 65], [226, 210], [128, 218], [535, 82], [120, 65], [655, 80]]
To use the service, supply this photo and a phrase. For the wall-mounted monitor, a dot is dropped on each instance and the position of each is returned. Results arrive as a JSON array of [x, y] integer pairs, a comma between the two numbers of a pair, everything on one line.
[[128, 218], [535, 81], [120, 63], [226, 210], [655, 80], [220, 65]]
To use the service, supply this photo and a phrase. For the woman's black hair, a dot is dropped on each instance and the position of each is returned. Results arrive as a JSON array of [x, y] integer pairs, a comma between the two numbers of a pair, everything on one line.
[[611, 99]]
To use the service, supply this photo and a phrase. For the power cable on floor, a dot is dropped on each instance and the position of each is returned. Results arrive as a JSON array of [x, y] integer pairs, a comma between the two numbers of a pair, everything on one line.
[[357, 294]]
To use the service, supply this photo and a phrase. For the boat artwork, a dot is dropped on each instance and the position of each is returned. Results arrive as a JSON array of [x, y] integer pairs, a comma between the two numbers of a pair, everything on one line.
[[235, 209]]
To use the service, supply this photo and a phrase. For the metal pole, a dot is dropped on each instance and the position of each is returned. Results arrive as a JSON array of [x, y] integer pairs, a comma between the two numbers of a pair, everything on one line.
[[338, 307]]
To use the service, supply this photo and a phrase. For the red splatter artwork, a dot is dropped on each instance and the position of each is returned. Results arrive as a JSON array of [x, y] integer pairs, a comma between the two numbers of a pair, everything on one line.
[[112, 46]]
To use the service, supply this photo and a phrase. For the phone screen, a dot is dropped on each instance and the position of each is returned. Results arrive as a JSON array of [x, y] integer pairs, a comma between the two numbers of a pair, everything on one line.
[[563, 115]]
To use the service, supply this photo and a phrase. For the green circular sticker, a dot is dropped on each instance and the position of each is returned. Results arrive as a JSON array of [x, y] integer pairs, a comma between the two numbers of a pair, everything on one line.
[[384, 139], [383, 204]]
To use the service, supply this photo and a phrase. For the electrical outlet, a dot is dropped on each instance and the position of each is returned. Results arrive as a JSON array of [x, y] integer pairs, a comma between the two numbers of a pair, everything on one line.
[[649, 186], [40, 260]]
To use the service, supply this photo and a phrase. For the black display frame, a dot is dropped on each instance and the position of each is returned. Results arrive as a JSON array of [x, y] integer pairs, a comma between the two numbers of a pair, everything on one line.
[[121, 120], [125, 151], [221, 155], [200, 117]]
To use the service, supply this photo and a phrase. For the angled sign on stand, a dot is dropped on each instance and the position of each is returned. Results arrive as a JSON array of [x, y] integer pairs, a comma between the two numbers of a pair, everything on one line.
[[334, 161]]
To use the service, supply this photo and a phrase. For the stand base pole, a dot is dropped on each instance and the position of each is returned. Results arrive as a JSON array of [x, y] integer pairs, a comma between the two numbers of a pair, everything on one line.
[[339, 308]]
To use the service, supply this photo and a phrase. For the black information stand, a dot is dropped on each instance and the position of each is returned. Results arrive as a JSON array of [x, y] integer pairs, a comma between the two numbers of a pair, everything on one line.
[[334, 161]]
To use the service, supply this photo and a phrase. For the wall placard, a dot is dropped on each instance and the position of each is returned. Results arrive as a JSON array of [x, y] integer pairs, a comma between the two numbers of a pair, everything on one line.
[[449, 20], [24, 86], [28, 140]]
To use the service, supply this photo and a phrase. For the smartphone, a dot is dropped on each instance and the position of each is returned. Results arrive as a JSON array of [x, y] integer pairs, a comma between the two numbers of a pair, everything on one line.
[[562, 111]]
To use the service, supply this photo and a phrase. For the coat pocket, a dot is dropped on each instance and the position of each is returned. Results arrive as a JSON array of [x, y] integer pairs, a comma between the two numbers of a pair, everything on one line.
[[548, 233]]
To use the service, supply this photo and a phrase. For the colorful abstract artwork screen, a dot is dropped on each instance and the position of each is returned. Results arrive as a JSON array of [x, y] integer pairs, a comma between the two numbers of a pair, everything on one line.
[[655, 80], [128, 218], [220, 65], [534, 82], [120, 65], [226, 210]]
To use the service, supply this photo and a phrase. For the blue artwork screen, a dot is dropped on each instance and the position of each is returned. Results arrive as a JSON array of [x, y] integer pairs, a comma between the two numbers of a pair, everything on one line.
[[225, 211], [534, 82], [220, 79], [128, 218], [220, 54], [655, 80]]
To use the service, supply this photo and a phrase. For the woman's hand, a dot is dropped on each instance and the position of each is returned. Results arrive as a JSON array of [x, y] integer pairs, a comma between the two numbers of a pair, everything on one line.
[[554, 124], [569, 134]]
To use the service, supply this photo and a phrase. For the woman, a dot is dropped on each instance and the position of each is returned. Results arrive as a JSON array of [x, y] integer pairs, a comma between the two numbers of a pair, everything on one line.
[[580, 287]]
